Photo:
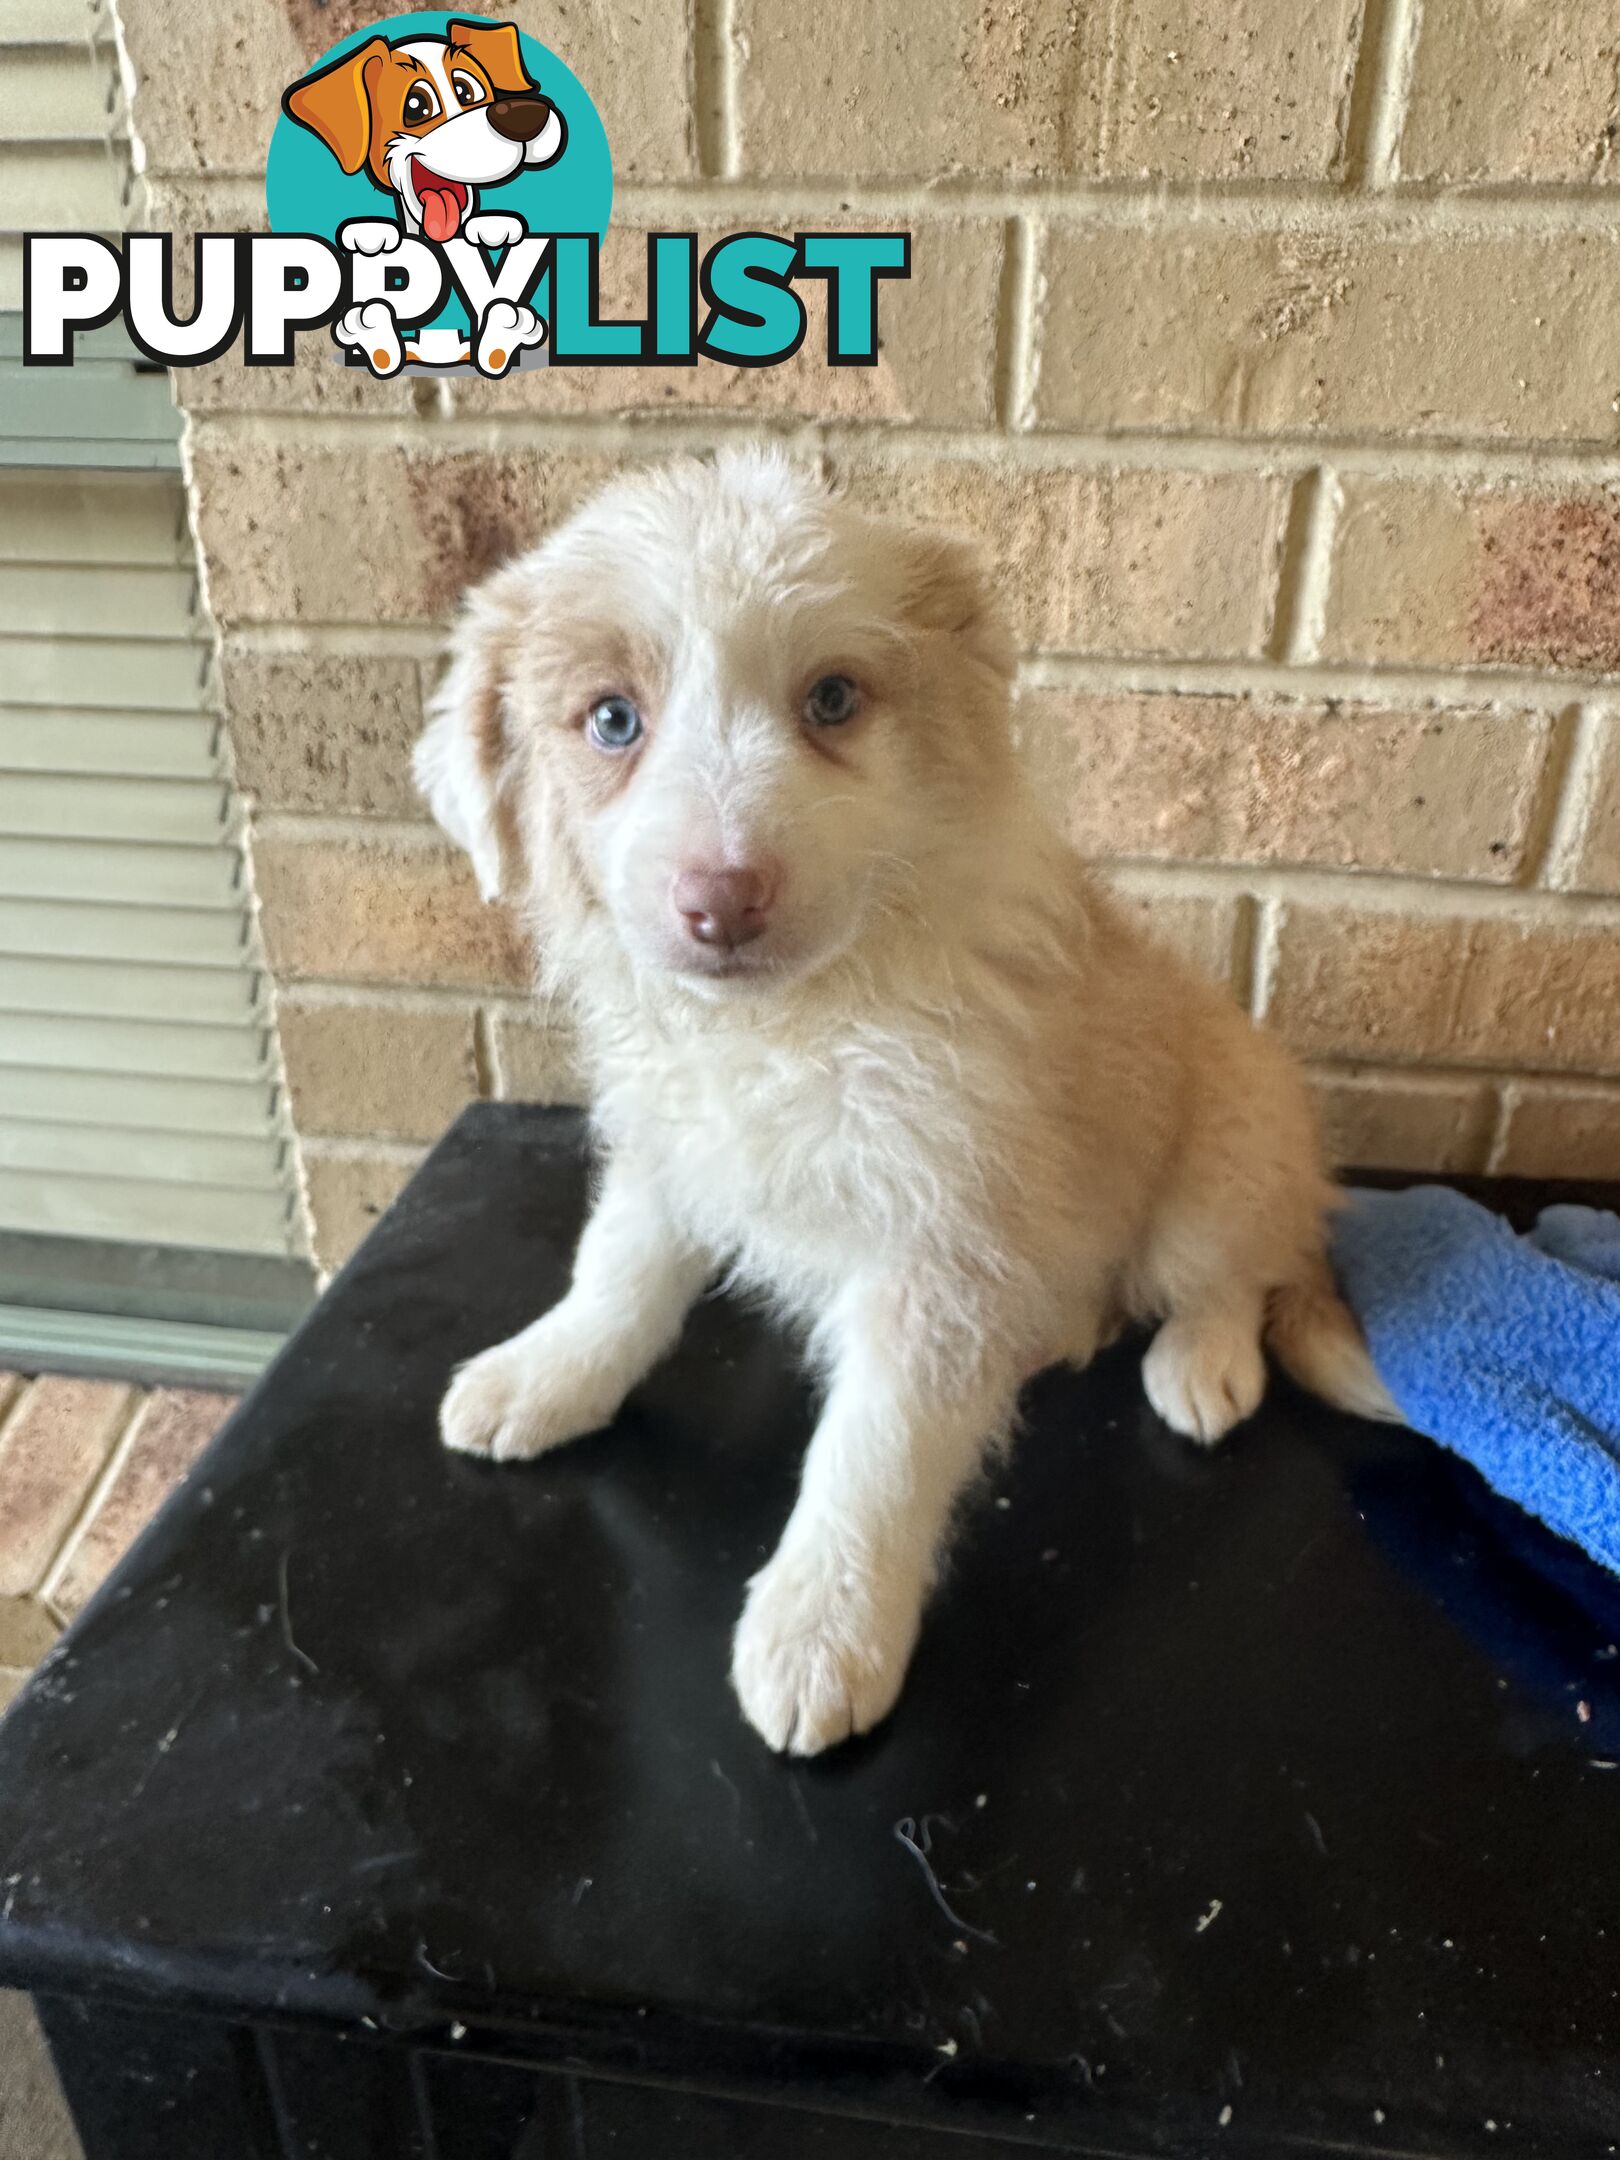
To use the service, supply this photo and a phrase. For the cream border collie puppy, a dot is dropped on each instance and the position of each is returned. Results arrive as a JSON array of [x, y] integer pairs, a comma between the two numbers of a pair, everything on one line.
[[860, 1032]]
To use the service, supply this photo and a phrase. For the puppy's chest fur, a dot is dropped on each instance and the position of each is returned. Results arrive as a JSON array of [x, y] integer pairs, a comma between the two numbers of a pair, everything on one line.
[[785, 1157]]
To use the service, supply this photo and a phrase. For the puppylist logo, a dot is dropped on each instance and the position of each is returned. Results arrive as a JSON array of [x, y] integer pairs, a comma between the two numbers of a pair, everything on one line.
[[438, 188]]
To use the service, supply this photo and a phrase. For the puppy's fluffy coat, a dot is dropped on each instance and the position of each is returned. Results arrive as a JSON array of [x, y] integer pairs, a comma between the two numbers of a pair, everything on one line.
[[944, 1107]]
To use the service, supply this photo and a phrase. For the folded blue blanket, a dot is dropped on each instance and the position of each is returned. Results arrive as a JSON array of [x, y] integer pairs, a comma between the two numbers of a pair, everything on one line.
[[1505, 1348]]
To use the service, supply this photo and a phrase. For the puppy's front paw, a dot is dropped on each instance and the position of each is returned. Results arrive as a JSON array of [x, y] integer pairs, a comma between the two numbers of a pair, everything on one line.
[[369, 236], [495, 228], [516, 1401], [370, 328], [818, 1656], [505, 330], [1204, 1376]]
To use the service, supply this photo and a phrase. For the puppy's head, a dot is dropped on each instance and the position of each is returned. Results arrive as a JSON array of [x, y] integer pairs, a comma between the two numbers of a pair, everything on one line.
[[734, 720], [432, 117]]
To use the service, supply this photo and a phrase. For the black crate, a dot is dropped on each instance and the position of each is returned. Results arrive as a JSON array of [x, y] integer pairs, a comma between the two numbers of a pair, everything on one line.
[[387, 1803]]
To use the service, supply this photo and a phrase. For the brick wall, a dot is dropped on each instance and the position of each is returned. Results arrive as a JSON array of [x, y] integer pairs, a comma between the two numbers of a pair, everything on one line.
[[1272, 348]]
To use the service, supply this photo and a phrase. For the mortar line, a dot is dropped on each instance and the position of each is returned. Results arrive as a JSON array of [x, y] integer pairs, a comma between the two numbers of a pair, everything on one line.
[[1568, 786], [1381, 92], [1366, 891], [1355, 93], [383, 1141], [729, 87], [708, 88], [1398, 46], [1350, 1069], [1306, 568], [1566, 1081], [1280, 639], [1584, 462], [328, 993], [119, 1451], [361, 1147], [404, 824], [1316, 567], [487, 1047], [282, 640], [334, 993], [1479, 1126], [1017, 349], [26, 1383], [485, 1075], [318, 825], [1244, 958], [1507, 1101], [1267, 948], [1504, 689], [1416, 1068], [1139, 674], [1416, 206]]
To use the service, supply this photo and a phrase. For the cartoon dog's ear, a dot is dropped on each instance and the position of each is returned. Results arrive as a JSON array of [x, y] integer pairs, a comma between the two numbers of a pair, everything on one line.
[[498, 51], [462, 762], [946, 588], [335, 103]]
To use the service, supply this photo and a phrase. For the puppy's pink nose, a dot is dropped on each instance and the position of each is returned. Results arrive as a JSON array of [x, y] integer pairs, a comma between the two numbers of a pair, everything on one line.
[[724, 907]]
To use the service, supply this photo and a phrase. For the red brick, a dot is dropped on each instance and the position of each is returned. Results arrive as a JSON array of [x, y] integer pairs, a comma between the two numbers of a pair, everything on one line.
[[51, 1450], [174, 1426]]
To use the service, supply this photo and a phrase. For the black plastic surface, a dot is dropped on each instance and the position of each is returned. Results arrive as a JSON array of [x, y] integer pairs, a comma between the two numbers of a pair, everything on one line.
[[1273, 1791]]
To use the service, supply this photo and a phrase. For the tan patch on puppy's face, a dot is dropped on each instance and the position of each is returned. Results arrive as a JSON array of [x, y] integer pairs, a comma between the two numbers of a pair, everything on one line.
[[569, 664]]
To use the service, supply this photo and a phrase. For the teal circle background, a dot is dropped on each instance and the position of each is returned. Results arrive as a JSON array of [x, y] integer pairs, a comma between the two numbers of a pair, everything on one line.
[[307, 191]]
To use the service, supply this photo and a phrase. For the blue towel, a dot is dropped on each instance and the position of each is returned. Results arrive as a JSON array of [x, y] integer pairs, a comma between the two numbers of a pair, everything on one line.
[[1505, 1348]]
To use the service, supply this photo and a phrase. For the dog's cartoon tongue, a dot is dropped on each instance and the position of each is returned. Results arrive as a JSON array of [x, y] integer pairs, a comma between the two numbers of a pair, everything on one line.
[[441, 202], [441, 213]]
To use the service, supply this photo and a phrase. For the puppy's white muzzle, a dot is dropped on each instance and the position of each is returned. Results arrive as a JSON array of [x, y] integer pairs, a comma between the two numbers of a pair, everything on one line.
[[468, 148]]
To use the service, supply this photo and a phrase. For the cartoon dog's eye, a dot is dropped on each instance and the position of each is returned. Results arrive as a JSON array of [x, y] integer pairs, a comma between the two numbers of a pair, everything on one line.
[[420, 105], [613, 723], [832, 702], [469, 91]]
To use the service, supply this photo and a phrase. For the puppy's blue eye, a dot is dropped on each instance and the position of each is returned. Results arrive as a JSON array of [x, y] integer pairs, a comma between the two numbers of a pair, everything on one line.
[[832, 701], [614, 723]]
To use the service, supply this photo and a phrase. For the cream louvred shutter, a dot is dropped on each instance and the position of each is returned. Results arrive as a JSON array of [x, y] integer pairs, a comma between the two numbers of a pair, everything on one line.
[[63, 160], [137, 1078], [139, 1093]]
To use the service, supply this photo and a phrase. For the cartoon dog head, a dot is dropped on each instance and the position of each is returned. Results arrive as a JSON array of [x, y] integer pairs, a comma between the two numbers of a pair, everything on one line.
[[432, 119]]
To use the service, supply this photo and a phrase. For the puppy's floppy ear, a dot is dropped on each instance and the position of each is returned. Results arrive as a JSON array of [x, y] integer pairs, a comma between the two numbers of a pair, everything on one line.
[[335, 103], [945, 588], [463, 761], [496, 48]]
